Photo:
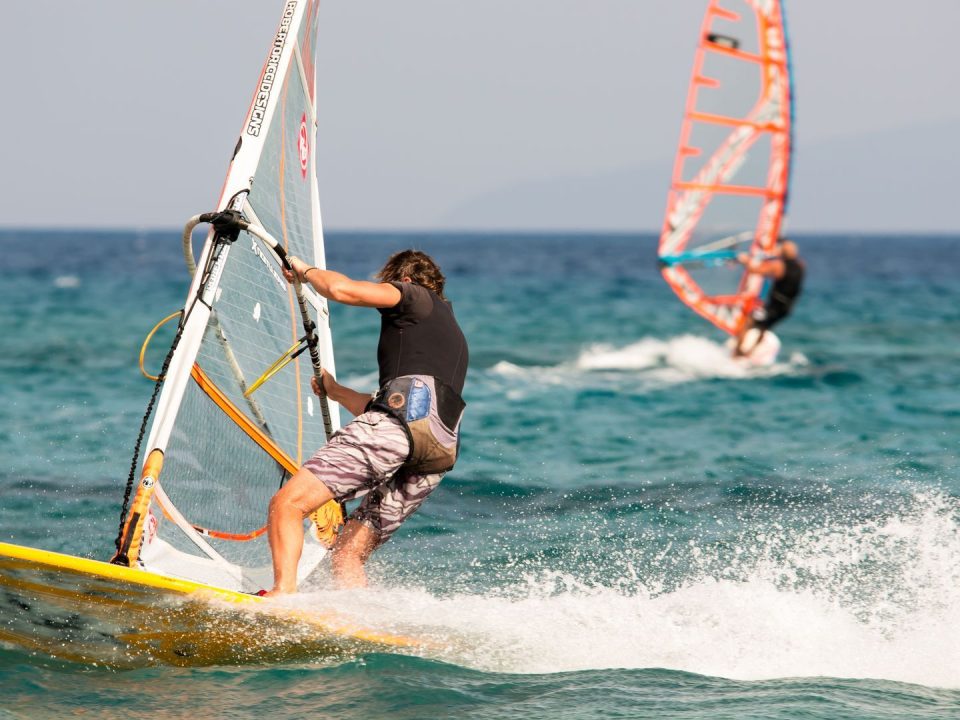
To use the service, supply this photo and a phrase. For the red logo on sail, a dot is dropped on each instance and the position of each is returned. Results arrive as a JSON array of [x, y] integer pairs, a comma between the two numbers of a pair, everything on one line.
[[304, 145]]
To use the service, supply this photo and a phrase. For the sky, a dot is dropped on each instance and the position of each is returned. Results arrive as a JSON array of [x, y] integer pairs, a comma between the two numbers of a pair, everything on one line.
[[464, 114]]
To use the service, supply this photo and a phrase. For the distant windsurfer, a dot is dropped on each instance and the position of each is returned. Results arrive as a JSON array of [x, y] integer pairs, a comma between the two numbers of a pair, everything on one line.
[[404, 437], [787, 270]]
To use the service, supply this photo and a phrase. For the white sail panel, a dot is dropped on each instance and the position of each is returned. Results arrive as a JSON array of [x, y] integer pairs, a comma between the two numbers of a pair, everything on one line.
[[226, 450]]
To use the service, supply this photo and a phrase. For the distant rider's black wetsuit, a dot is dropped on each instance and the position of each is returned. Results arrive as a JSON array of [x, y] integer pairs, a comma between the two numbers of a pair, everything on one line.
[[782, 297]]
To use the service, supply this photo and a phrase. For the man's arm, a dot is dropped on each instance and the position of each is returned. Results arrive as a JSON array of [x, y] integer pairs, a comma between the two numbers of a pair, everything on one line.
[[338, 287], [771, 267], [354, 402]]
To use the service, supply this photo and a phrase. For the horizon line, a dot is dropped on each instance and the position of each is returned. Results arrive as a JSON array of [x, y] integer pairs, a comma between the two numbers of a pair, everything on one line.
[[473, 231]]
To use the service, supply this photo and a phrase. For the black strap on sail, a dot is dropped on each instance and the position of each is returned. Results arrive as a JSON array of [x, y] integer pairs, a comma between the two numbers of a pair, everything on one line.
[[723, 41]]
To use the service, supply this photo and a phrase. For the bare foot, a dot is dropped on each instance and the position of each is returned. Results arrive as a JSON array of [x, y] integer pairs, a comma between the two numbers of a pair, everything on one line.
[[275, 591]]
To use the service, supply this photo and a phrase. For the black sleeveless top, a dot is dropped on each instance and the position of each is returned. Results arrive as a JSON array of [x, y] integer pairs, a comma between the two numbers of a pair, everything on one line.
[[786, 289], [420, 336]]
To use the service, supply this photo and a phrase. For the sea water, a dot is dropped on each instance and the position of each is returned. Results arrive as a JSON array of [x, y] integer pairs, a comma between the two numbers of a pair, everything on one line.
[[637, 527]]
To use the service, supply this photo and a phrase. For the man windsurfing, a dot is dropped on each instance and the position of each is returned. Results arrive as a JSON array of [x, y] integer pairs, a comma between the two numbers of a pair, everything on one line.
[[404, 437], [786, 269]]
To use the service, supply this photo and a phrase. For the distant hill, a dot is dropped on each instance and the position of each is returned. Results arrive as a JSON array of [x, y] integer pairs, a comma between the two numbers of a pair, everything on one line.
[[888, 181]]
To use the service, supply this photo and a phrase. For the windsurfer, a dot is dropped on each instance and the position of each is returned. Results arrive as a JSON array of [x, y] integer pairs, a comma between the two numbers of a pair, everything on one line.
[[787, 269], [404, 437]]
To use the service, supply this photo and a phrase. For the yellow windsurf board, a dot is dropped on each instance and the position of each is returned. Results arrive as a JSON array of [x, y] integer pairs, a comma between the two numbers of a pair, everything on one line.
[[87, 611]]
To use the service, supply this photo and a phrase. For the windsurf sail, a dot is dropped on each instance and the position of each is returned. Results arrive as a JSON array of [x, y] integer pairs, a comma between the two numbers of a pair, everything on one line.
[[730, 178], [235, 415]]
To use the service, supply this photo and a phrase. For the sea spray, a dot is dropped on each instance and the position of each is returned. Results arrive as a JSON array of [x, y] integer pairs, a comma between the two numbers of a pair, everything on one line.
[[839, 597]]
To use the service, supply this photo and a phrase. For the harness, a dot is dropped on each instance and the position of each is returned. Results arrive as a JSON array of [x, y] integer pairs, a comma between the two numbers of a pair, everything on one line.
[[429, 411]]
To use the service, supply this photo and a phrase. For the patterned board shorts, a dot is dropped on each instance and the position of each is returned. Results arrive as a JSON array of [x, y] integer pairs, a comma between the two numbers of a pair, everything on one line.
[[767, 316], [362, 460]]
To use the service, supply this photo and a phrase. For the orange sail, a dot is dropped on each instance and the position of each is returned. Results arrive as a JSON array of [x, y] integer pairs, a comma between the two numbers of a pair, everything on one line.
[[729, 189]]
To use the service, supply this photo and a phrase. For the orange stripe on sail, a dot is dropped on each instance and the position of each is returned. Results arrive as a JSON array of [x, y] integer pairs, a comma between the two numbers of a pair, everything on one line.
[[717, 11], [732, 121], [241, 419], [738, 54], [232, 536], [748, 190], [252, 431]]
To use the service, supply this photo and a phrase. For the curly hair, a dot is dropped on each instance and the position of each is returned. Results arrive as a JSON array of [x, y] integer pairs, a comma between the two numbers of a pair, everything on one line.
[[416, 265]]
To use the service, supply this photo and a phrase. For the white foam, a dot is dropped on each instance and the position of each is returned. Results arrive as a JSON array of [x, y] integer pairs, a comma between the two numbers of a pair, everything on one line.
[[66, 281], [878, 599], [651, 360]]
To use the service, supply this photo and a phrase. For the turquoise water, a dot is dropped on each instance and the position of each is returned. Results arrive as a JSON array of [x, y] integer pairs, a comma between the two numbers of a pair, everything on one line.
[[637, 527]]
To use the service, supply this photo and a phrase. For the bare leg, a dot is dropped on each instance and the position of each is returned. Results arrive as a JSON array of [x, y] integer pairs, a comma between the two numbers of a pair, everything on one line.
[[300, 496], [352, 550], [759, 338], [738, 347]]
